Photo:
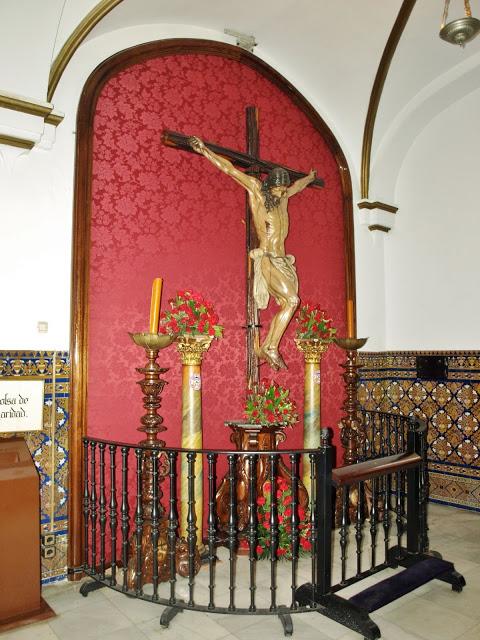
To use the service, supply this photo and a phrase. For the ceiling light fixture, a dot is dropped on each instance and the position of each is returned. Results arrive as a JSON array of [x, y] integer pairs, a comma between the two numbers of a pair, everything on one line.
[[461, 30]]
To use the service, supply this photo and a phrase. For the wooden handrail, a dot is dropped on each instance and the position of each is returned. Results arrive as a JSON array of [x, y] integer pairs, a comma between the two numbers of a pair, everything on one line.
[[353, 473]]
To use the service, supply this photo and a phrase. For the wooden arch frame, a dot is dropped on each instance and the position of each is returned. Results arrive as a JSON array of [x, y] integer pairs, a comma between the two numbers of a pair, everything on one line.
[[81, 234]]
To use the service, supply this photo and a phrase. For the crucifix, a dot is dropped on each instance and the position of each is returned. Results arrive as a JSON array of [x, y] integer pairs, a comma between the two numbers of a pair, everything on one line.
[[269, 271]]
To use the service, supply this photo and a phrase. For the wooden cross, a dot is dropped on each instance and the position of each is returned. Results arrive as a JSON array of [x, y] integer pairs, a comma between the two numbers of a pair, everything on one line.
[[255, 166]]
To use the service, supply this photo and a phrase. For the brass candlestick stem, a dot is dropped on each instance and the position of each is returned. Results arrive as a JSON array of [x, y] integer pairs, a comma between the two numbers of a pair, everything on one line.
[[351, 433]]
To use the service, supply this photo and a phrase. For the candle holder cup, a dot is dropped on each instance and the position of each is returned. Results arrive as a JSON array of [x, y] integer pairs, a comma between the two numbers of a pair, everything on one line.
[[152, 384]]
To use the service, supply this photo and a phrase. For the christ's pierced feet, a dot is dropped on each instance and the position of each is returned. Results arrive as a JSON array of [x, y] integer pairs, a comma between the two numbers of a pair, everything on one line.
[[272, 357]]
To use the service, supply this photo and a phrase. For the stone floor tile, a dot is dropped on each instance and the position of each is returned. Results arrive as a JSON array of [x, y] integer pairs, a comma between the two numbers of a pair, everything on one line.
[[270, 628], [127, 633], [200, 625], [38, 631], [471, 634], [232, 624], [467, 602], [426, 619], [67, 599], [92, 621], [392, 631], [153, 631], [328, 628], [137, 610]]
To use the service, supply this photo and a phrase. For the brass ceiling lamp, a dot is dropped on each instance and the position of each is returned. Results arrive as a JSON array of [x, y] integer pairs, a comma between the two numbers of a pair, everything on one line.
[[462, 30]]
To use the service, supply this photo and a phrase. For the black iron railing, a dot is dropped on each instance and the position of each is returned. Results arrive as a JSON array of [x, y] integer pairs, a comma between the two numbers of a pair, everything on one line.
[[132, 540], [382, 434]]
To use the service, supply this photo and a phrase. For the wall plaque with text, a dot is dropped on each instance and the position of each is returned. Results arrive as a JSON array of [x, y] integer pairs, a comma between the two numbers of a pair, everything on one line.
[[21, 405]]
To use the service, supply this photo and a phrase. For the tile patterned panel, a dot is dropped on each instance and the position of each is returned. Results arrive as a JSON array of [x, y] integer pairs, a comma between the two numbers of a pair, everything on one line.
[[451, 407], [49, 447]]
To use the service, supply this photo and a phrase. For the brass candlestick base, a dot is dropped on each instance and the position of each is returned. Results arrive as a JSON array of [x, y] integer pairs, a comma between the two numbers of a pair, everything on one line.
[[351, 432]]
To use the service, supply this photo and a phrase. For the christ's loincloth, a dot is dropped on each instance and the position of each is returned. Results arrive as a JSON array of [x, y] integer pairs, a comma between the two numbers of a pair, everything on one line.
[[284, 264]]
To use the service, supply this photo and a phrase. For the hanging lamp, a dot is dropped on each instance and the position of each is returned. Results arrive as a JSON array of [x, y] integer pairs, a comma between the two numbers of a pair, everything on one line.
[[461, 30]]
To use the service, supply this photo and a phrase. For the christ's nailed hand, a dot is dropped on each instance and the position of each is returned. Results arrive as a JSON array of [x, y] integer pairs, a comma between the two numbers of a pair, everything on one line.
[[196, 144]]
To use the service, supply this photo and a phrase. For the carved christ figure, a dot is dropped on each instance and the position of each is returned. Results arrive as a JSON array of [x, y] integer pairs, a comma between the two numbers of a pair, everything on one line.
[[274, 271]]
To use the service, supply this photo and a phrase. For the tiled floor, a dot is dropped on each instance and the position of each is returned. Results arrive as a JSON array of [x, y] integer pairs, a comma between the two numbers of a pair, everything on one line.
[[432, 612]]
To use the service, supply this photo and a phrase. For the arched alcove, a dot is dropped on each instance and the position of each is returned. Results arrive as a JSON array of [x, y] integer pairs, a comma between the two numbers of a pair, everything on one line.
[[144, 210]]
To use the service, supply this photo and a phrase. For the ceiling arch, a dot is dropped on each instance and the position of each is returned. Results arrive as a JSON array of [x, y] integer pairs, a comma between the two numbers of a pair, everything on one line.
[[452, 86], [288, 39], [75, 39]]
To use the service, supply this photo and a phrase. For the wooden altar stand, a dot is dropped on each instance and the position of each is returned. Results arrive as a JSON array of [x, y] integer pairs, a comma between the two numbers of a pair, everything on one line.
[[252, 437]]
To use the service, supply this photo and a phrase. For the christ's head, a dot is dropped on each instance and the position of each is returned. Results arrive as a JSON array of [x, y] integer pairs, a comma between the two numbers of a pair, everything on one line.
[[278, 177], [275, 187]]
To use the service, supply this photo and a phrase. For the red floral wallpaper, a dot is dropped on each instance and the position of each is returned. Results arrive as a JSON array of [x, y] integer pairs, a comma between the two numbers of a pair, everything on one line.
[[162, 212]]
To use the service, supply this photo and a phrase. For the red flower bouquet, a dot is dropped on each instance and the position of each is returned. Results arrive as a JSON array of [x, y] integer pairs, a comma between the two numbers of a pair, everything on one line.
[[312, 322], [190, 314], [270, 403], [284, 507]]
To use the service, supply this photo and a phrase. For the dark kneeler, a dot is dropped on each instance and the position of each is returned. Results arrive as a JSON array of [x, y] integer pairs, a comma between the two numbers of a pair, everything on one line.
[[402, 583]]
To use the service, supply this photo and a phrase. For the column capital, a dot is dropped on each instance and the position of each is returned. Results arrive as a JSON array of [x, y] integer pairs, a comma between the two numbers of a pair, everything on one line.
[[191, 348], [312, 348]]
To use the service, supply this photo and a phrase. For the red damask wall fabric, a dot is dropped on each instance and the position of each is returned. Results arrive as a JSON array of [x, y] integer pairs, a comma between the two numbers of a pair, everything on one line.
[[157, 211]]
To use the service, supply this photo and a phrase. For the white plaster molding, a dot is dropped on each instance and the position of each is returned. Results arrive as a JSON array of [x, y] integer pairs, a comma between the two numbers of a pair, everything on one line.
[[25, 122], [377, 216], [24, 104]]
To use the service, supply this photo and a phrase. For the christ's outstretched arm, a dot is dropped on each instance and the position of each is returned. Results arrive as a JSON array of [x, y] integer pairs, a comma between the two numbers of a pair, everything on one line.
[[250, 183], [301, 183]]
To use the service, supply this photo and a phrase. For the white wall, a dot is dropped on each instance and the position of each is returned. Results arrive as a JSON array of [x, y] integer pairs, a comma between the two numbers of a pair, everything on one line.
[[431, 257], [370, 278], [27, 37]]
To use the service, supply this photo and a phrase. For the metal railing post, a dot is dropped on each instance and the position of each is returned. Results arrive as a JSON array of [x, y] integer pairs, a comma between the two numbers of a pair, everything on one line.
[[323, 508], [414, 445]]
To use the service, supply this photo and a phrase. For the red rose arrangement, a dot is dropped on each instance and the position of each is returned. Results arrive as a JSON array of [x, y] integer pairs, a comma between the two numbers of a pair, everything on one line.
[[312, 322], [270, 403], [284, 507], [190, 314]]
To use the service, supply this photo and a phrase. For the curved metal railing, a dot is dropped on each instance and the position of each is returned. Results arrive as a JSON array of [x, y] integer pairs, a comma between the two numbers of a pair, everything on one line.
[[263, 545]]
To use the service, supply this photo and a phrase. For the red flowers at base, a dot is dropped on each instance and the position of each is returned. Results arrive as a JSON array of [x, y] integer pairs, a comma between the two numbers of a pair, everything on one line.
[[284, 501], [269, 404]]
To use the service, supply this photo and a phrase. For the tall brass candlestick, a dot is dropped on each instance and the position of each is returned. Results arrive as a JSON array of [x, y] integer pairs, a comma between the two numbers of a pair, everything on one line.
[[151, 425], [191, 349], [352, 434], [313, 350]]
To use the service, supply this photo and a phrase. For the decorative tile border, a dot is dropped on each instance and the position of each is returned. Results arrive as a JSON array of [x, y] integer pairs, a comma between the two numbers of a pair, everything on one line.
[[451, 407], [49, 447]]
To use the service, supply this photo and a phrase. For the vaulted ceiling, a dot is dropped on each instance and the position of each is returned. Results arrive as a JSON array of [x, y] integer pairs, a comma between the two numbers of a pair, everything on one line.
[[329, 49]]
